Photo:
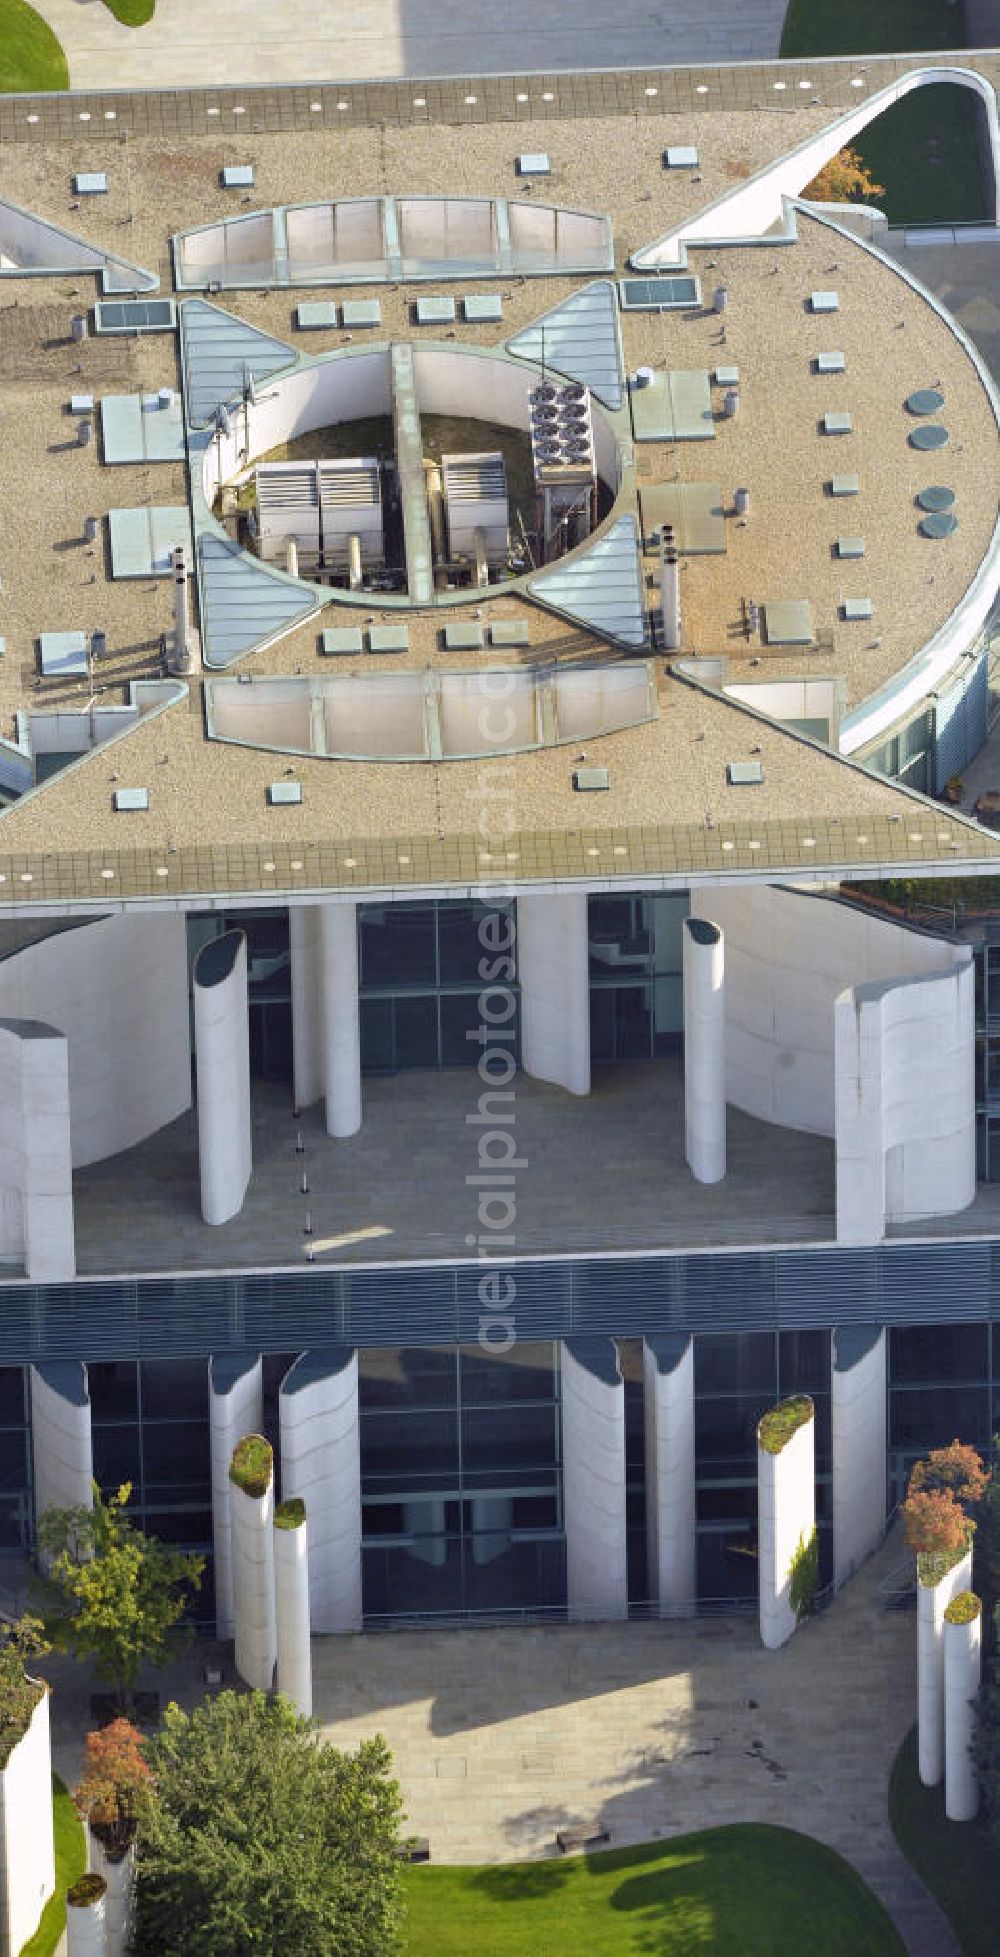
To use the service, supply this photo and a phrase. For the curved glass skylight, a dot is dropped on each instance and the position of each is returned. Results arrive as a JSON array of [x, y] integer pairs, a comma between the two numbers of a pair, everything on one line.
[[431, 715]]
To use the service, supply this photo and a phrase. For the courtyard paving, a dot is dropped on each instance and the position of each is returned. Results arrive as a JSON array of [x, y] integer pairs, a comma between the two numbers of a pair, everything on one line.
[[190, 45], [500, 1737]]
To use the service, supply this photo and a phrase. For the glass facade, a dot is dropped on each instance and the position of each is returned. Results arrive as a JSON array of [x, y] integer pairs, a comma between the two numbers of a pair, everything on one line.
[[987, 967], [460, 1480], [150, 1428], [420, 972]]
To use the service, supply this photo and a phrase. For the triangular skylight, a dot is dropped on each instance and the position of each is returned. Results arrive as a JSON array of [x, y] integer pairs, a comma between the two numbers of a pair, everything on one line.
[[32, 247], [243, 603], [600, 586], [219, 350], [581, 339]]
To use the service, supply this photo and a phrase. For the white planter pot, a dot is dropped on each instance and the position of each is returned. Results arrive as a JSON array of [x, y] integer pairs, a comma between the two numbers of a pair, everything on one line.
[[27, 1857], [963, 1651], [253, 1586], [291, 1597], [932, 1602], [86, 1928], [786, 1517], [119, 1902]]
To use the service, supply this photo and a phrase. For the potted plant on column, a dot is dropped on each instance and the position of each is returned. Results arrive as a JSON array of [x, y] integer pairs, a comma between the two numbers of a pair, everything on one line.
[[116, 1779]]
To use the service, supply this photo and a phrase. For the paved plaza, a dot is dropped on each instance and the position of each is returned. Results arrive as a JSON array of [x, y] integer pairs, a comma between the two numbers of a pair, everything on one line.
[[198, 46], [503, 1736]]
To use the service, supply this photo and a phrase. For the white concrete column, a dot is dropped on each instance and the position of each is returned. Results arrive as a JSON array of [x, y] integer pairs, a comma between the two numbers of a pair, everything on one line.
[[291, 1598], [553, 966], [222, 1052], [235, 1407], [668, 1384], [932, 1602], [27, 1854], [786, 1516], [253, 1578], [593, 1478], [963, 1666], [36, 1172], [704, 1050], [118, 1872], [61, 1446], [307, 1004], [87, 1922], [858, 1422], [338, 936], [321, 1464]]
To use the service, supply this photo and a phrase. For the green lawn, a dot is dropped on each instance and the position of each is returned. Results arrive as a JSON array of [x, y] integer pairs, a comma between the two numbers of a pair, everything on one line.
[[71, 1860], [954, 1858], [730, 1892], [871, 26], [30, 56]]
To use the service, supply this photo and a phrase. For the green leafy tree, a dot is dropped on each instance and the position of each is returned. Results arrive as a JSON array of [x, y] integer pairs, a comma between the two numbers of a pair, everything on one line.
[[117, 1595], [262, 1838]]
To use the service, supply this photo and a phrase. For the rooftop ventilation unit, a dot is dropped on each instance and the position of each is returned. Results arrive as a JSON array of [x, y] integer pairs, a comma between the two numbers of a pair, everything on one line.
[[562, 454], [330, 511], [475, 500]]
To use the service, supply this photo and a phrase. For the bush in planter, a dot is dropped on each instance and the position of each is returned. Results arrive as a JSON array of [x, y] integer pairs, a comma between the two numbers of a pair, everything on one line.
[[955, 1470], [86, 1890], [252, 1466], [117, 1595], [116, 1780], [935, 1525], [19, 1694], [803, 1573]]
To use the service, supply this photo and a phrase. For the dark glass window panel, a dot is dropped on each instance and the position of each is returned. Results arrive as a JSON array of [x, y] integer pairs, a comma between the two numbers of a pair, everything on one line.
[[408, 1451], [742, 1363], [460, 1016], [416, 1031], [408, 1376], [377, 1050], [726, 1436], [526, 1372], [174, 1389], [602, 1024], [14, 1520], [534, 1512], [398, 945], [633, 1022], [114, 1391], [458, 942], [117, 1457], [185, 1528], [175, 1451], [919, 1420], [727, 1566], [936, 1354], [266, 931], [510, 1446], [13, 1409], [13, 1460], [501, 1574], [403, 1580], [723, 1504], [803, 1362], [382, 1519], [610, 919]]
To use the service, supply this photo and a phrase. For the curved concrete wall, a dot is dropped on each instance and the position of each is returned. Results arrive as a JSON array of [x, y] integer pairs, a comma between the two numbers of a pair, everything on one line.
[[553, 966], [36, 1172], [253, 1586], [291, 1602], [963, 1664], [118, 990], [906, 1108], [593, 1470], [786, 1517], [87, 1928], [668, 1381], [61, 1446], [338, 946], [27, 1855], [788, 957], [235, 1395], [704, 1049], [932, 1602], [858, 1445], [321, 1463], [222, 1051]]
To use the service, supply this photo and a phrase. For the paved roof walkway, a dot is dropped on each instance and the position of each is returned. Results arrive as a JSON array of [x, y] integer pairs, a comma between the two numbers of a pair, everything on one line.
[[502, 1736], [190, 45]]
